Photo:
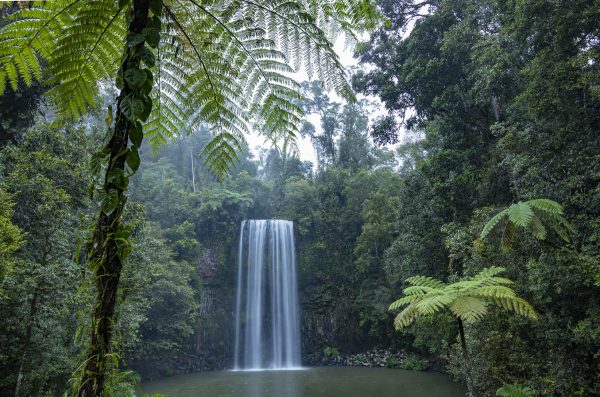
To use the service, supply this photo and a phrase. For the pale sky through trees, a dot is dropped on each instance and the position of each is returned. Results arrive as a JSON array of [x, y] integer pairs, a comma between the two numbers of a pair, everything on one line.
[[305, 147]]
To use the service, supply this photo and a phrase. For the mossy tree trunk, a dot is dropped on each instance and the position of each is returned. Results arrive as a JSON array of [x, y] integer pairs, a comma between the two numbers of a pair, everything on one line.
[[108, 245]]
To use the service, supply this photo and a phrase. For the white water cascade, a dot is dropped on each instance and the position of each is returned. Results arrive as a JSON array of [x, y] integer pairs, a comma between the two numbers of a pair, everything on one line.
[[267, 325]]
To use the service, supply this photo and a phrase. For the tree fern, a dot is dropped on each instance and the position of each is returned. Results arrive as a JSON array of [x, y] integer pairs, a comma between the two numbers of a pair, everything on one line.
[[468, 299], [222, 63], [537, 216]]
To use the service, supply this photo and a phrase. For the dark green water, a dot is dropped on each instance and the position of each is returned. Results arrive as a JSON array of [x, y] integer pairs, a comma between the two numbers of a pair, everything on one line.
[[311, 382]]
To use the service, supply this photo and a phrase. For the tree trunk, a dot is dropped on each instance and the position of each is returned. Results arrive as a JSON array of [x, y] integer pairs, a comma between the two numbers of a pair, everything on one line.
[[104, 251], [467, 362], [193, 172], [27, 340]]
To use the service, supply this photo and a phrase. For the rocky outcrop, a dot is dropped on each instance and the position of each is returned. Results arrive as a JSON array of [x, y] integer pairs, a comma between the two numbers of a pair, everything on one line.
[[372, 358]]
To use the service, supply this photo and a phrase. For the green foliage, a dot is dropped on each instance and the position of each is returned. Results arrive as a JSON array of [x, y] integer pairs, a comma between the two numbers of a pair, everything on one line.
[[413, 363], [331, 352], [468, 299], [46, 176], [11, 236], [496, 104], [239, 76], [514, 390], [530, 215]]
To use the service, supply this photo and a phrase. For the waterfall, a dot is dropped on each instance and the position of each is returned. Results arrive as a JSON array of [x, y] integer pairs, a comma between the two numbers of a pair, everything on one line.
[[267, 327]]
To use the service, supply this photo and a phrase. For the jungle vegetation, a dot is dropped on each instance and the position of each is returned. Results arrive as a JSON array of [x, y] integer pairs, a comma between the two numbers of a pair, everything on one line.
[[491, 115]]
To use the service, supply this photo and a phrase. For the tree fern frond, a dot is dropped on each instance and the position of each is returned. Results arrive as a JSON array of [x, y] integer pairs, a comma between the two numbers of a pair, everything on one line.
[[535, 215], [224, 63], [406, 300], [432, 303], [419, 290], [406, 317], [558, 224], [537, 228], [467, 299], [489, 272], [520, 214], [493, 222], [468, 308], [87, 54], [493, 291], [80, 39], [516, 305], [25, 38], [546, 205], [424, 281], [507, 237]]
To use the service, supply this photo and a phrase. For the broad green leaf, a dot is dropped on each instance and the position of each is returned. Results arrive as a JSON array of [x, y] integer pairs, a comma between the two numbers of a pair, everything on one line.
[[132, 108], [136, 134], [134, 39], [133, 158], [109, 201], [135, 77]]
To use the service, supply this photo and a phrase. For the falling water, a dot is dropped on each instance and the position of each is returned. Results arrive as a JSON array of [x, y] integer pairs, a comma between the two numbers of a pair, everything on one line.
[[267, 330]]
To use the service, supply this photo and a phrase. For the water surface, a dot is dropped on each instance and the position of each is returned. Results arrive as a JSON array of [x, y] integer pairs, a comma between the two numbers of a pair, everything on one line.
[[310, 382]]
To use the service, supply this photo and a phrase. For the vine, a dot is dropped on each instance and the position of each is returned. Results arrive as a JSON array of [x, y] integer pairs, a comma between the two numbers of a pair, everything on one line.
[[119, 159]]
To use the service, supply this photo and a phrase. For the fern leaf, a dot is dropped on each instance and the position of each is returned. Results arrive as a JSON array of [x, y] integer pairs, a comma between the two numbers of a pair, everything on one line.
[[516, 305], [546, 205], [493, 291], [406, 300], [432, 303], [520, 214], [507, 237], [489, 272], [537, 228], [468, 308], [418, 290], [406, 317], [424, 281], [493, 222]]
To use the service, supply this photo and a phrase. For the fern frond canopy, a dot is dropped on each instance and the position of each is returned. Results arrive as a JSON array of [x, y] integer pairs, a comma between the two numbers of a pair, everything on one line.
[[468, 299], [226, 64], [538, 216]]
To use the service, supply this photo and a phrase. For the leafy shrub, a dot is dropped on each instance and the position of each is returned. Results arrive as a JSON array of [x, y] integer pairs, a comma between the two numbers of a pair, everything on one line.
[[413, 363], [331, 352], [391, 362]]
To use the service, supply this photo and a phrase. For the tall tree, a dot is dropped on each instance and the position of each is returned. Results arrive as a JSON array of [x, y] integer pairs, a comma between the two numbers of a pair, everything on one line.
[[47, 174]]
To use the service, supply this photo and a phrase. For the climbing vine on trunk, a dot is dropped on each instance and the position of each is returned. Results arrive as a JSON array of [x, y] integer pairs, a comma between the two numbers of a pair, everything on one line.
[[110, 244]]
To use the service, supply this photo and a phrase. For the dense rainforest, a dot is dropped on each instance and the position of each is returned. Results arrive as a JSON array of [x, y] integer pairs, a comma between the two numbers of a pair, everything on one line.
[[468, 107]]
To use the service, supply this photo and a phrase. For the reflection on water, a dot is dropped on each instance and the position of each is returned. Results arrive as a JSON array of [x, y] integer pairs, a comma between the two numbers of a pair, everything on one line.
[[311, 382]]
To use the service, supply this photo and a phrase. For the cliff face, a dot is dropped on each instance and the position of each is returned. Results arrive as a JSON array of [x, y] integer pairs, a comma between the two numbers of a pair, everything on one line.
[[214, 334]]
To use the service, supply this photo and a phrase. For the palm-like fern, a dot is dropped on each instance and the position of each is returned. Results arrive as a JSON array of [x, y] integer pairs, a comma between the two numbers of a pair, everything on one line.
[[226, 63], [537, 216], [468, 299]]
